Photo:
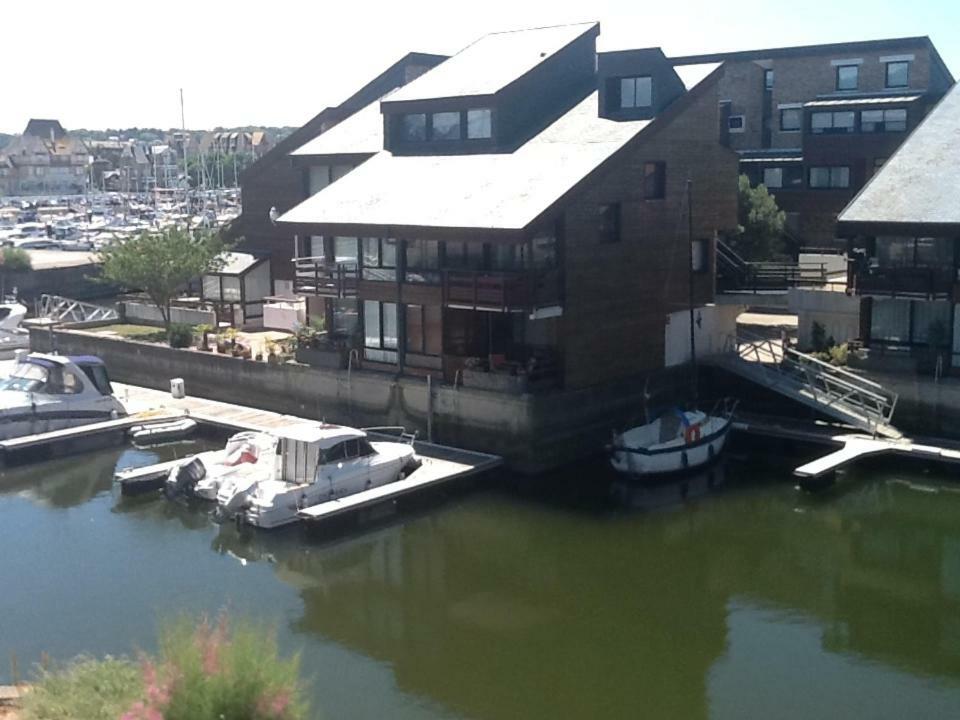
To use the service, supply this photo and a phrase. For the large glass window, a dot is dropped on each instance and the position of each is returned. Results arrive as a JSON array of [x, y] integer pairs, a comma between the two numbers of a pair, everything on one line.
[[479, 124], [898, 74], [890, 320], [446, 126], [423, 261], [848, 77], [346, 316], [829, 177], [894, 120], [791, 119], [636, 92], [463, 255], [345, 249], [787, 177], [832, 122], [379, 259], [380, 331], [414, 127]]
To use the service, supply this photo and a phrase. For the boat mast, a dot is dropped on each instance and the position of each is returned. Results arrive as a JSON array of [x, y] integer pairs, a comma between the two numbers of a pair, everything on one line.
[[693, 338]]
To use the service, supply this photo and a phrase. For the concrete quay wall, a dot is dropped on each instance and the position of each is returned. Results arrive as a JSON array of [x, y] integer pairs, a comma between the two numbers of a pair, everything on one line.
[[534, 433]]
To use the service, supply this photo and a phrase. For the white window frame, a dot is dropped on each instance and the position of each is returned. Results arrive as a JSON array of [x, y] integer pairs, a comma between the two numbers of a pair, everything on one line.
[[743, 124]]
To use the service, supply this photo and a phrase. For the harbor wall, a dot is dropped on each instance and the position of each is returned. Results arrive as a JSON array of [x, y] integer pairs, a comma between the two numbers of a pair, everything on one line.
[[533, 433]]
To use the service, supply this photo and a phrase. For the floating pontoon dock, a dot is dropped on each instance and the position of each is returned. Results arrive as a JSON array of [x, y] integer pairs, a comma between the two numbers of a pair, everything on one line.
[[441, 464], [852, 445]]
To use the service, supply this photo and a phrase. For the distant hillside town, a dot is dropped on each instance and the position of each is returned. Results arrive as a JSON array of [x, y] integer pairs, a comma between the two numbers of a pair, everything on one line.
[[47, 159]]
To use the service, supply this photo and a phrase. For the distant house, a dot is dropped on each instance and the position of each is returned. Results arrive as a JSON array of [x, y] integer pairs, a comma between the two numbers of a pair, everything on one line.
[[904, 234], [44, 160], [166, 166]]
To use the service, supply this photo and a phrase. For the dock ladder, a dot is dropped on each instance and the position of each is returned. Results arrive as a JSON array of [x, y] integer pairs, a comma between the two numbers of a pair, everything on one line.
[[831, 390]]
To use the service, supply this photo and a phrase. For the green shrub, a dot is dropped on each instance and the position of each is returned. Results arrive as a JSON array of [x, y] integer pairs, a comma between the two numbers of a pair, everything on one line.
[[839, 354], [86, 689], [208, 672], [180, 335]]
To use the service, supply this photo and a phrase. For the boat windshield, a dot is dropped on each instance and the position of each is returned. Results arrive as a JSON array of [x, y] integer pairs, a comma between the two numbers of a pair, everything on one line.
[[36, 378], [27, 377]]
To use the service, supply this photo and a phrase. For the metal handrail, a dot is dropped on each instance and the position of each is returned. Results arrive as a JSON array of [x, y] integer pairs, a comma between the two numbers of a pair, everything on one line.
[[829, 385]]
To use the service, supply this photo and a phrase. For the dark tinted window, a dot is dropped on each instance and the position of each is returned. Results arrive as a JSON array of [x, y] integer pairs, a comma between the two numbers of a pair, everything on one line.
[[336, 453], [654, 180], [608, 221]]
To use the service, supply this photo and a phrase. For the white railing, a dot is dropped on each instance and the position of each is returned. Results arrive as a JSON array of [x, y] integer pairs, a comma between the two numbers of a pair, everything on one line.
[[66, 310], [828, 385]]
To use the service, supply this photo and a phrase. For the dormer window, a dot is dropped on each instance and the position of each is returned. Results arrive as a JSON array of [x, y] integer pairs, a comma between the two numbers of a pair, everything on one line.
[[446, 126], [414, 127], [898, 74], [479, 125], [636, 92]]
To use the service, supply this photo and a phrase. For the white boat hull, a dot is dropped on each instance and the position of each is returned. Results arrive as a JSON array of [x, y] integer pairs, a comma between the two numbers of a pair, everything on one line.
[[635, 455]]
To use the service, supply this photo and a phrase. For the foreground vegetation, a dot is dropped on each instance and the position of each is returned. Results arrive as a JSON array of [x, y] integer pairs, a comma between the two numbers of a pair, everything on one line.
[[203, 671]]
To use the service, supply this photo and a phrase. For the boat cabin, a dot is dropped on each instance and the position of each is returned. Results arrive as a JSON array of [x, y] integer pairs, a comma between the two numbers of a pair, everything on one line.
[[59, 375], [304, 448]]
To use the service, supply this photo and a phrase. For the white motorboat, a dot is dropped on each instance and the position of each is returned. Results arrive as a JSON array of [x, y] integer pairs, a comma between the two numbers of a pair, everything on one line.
[[12, 336], [314, 464], [676, 441], [53, 392], [201, 475]]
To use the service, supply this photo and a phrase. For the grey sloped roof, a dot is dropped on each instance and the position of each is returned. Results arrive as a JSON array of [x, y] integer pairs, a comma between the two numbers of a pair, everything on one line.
[[488, 191], [491, 63], [362, 132], [920, 183]]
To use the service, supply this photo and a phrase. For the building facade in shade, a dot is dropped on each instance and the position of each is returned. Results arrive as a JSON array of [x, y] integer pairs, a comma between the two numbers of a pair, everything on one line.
[[44, 160], [904, 235], [517, 217], [814, 123], [272, 182]]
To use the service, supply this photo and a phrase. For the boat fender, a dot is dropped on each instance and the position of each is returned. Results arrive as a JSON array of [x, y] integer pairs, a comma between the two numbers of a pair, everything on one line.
[[683, 458], [710, 452], [691, 434]]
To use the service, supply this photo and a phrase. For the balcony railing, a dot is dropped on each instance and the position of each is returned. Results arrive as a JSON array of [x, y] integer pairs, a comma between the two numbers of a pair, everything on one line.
[[320, 277], [916, 282], [501, 290]]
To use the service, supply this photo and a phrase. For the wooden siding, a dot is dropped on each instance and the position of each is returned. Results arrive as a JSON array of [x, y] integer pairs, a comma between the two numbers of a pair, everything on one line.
[[619, 294]]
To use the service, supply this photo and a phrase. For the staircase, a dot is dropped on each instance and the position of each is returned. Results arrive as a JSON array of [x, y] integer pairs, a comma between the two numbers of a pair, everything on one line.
[[831, 390], [734, 274]]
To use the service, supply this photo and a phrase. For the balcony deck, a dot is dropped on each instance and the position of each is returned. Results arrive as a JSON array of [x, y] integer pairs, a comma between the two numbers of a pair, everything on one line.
[[315, 276], [906, 282]]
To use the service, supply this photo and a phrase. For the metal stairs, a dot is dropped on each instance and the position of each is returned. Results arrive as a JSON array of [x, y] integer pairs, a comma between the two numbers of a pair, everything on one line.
[[831, 390]]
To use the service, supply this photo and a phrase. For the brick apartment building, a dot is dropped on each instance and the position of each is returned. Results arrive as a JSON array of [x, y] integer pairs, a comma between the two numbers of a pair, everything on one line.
[[814, 123]]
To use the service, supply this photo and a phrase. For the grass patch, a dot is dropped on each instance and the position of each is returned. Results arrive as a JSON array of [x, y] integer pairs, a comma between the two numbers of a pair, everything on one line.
[[86, 689]]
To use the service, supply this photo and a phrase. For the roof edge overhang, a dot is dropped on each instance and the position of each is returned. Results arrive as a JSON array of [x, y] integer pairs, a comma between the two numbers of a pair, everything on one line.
[[420, 232], [854, 228], [305, 161]]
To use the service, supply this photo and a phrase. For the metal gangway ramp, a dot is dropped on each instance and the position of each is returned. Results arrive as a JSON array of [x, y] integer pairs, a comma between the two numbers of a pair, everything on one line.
[[833, 391], [66, 310]]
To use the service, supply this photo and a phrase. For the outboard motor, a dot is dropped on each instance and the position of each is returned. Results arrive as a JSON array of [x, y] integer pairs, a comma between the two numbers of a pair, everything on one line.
[[184, 478]]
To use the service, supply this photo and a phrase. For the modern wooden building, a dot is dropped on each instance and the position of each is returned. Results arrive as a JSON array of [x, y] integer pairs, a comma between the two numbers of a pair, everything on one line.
[[516, 219], [904, 235]]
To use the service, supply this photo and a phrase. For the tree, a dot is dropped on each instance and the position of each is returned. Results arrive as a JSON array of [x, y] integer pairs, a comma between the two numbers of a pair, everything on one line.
[[761, 223], [12, 260], [160, 263]]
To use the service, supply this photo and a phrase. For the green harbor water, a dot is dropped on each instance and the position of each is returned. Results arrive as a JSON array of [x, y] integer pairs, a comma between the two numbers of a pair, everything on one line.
[[733, 596]]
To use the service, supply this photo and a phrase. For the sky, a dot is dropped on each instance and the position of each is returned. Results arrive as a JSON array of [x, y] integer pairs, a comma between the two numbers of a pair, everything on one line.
[[113, 64]]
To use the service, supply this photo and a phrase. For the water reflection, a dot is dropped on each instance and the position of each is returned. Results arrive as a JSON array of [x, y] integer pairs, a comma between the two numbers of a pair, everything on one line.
[[498, 610]]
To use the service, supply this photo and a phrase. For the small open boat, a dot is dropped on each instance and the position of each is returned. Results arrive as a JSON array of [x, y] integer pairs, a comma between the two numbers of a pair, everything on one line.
[[678, 440]]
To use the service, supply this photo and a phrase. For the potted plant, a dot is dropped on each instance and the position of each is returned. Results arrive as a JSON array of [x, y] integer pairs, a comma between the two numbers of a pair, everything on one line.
[[203, 333]]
